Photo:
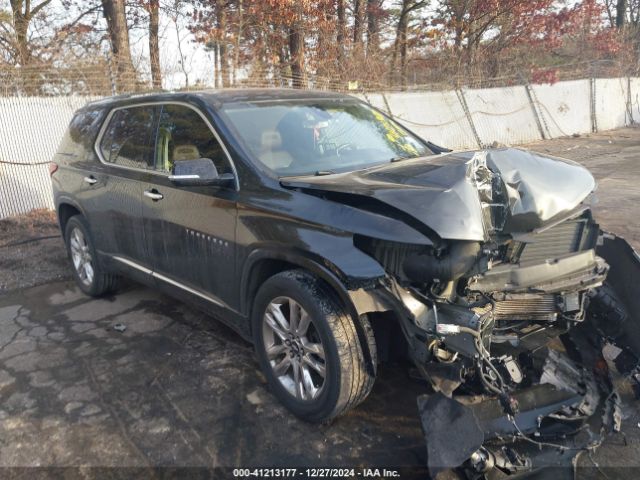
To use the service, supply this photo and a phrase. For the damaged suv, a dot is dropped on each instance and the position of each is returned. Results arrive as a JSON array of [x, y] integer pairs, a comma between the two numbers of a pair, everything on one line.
[[330, 235]]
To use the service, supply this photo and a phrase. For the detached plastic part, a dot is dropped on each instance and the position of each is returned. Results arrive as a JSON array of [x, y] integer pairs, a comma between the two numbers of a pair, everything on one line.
[[447, 329], [615, 308]]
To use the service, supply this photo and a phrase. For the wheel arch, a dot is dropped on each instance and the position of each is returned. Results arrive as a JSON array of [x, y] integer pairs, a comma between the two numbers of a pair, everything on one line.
[[263, 263], [67, 208]]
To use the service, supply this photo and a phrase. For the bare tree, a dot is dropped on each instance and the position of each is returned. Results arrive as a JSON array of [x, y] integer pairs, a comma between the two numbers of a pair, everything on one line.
[[154, 43], [182, 58], [400, 44], [621, 13], [341, 25], [373, 27], [221, 14], [236, 49], [296, 53], [22, 13], [115, 15], [358, 23]]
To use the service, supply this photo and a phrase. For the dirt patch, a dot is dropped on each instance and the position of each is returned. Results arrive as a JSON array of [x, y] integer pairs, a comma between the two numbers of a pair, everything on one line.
[[31, 251]]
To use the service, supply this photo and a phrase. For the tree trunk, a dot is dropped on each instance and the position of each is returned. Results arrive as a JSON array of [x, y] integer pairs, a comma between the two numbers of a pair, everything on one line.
[[296, 55], [401, 34], [216, 72], [358, 20], [21, 15], [340, 36], [236, 53], [221, 12], [115, 15], [21, 25], [621, 13], [154, 44], [373, 40], [403, 53]]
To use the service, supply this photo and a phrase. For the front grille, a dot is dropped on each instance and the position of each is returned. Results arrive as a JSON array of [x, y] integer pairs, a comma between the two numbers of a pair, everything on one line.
[[539, 308], [567, 237]]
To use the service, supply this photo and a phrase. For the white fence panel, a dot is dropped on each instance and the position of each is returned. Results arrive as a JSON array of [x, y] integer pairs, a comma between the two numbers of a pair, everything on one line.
[[565, 107], [611, 103], [635, 98], [31, 127], [502, 115], [375, 99], [30, 130], [435, 116]]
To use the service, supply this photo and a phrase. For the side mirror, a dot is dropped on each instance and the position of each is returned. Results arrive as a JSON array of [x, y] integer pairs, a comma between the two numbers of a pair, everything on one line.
[[197, 173]]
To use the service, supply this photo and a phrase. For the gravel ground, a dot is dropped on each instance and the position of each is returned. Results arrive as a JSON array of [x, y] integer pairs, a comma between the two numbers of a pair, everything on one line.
[[36, 262]]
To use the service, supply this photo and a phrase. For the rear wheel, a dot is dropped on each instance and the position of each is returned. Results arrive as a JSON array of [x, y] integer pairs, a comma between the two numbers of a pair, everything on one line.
[[308, 347], [89, 275]]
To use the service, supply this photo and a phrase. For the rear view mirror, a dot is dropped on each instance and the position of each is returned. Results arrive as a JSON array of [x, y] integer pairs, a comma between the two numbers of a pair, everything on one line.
[[200, 172]]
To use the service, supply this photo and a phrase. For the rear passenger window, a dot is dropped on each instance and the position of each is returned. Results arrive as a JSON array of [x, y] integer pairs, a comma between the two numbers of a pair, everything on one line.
[[128, 140], [184, 135]]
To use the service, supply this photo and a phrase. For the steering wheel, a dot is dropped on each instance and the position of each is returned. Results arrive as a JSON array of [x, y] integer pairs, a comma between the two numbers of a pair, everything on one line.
[[345, 146]]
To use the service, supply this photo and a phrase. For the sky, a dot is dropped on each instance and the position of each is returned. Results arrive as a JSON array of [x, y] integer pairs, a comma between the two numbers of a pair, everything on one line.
[[198, 63]]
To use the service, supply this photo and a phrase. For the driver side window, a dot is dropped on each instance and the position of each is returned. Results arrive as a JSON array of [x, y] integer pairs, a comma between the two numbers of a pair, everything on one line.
[[184, 135]]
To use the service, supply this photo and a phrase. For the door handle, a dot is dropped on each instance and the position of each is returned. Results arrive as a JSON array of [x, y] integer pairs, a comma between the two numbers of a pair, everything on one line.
[[90, 180], [153, 195]]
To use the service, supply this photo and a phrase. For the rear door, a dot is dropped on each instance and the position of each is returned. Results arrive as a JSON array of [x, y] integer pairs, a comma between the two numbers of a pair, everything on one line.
[[190, 231], [125, 146]]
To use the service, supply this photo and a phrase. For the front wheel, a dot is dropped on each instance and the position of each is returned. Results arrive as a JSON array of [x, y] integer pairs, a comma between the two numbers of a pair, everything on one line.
[[88, 273], [308, 347]]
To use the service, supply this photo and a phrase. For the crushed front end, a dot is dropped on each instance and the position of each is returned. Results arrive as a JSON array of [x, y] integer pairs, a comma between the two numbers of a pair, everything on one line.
[[497, 328]]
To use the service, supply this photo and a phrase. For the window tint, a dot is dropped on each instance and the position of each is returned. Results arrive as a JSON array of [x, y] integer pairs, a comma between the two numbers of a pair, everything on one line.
[[184, 135], [128, 140]]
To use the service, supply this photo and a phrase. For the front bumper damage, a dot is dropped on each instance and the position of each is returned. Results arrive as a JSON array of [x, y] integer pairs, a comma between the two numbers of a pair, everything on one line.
[[564, 404], [506, 302]]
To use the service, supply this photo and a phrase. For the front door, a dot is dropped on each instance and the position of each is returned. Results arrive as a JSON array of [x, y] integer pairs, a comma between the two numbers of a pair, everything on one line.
[[190, 231]]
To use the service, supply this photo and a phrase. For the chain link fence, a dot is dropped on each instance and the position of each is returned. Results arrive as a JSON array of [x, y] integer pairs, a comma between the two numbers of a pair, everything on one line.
[[36, 106]]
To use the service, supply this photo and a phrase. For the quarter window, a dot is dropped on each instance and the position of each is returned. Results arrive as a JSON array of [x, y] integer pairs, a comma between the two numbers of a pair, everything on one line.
[[128, 139], [184, 135]]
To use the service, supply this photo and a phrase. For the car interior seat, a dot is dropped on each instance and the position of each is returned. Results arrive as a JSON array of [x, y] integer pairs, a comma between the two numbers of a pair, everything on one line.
[[185, 152], [271, 152]]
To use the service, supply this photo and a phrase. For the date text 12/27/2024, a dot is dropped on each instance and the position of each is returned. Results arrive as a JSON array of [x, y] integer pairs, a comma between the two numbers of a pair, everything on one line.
[[315, 473]]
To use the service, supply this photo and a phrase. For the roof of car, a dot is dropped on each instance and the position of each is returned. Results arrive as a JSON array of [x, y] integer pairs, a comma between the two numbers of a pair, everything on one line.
[[226, 95]]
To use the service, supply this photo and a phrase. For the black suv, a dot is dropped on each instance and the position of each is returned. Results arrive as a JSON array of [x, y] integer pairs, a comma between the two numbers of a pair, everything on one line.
[[330, 235]]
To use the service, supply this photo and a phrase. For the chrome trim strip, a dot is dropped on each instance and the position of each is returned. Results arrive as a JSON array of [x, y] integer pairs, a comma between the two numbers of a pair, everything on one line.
[[188, 289], [168, 280], [184, 177], [133, 264], [105, 124]]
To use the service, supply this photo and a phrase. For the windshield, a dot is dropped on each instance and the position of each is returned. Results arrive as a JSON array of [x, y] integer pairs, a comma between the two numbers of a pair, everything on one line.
[[307, 137]]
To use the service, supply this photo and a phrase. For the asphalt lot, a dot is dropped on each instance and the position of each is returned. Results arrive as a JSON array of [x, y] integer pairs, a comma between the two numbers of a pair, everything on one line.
[[177, 388]]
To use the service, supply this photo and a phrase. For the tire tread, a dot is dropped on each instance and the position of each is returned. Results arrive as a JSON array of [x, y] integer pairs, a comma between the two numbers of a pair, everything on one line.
[[356, 380]]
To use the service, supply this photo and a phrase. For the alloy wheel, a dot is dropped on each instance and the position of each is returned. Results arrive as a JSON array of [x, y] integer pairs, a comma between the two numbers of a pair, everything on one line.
[[294, 349], [81, 256]]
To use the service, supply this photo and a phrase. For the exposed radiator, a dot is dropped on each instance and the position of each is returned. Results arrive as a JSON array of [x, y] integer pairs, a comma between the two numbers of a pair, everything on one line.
[[539, 308], [567, 237]]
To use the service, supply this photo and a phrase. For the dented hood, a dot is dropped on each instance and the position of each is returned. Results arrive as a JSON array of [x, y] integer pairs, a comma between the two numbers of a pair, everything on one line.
[[464, 195]]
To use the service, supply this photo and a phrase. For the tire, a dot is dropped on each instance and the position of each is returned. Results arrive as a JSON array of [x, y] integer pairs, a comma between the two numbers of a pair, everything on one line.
[[97, 282], [346, 382]]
